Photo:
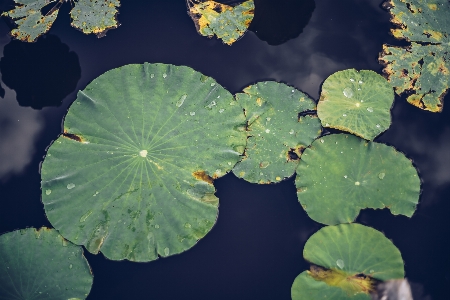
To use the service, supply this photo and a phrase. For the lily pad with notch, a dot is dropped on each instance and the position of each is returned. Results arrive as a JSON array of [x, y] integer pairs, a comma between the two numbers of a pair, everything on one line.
[[281, 123], [132, 175], [340, 174], [347, 261], [228, 23], [41, 264], [356, 102], [420, 70]]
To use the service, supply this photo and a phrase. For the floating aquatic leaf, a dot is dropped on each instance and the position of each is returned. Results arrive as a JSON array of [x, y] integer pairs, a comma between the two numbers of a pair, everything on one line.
[[276, 133], [93, 16], [41, 264], [31, 22], [422, 69], [133, 174], [90, 16], [347, 260], [357, 102], [226, 22], [341, 174]]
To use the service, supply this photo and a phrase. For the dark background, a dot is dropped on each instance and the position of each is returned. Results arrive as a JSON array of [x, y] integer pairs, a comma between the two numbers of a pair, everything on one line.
[[255, 249]]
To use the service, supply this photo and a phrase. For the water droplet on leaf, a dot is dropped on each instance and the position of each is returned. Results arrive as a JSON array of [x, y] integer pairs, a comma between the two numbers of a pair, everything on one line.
[[348, 92], [70, 186]]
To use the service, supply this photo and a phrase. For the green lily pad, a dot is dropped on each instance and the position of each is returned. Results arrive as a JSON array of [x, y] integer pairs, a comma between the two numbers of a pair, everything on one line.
[[226, 22], [31, 22], [356, 102], [341, 174], [132, 176], [41, 264], [276, 133], [420, 70], [347, 260], [92, 16]]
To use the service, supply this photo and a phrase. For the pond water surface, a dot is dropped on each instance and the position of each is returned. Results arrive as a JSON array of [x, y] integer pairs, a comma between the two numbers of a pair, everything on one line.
[[255, 249]]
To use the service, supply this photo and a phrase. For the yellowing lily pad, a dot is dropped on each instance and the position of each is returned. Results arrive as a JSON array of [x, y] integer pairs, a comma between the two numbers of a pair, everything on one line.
[[346, 262], [226, 22], [420, 70]]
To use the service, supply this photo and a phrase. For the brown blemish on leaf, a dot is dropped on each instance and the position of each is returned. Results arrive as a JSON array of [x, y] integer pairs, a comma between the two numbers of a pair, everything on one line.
[[432, 6], [259, 101], [201, 175], [74, 137]]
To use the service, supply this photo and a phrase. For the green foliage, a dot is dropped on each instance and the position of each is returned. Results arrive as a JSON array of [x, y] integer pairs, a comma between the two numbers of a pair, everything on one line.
[[345, 261], [90, 16], [276, 133], [357, 102], [132, 175], [341, 174], [226, 22], [422, 69], [41, 264]]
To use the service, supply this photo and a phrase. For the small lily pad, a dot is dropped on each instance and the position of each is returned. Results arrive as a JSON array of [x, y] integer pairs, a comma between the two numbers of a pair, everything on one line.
[[347, 260], [277, 131], [132, 175], [226, 22], [356, 102], [421, 70], [341, 174], [31, 22], [41, 264]]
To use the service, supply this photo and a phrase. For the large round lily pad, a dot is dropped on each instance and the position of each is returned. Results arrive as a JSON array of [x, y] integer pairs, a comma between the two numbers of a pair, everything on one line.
[[357, 102], [41, 264], [345, 261], [277, 131], [341, 174], [133, 174]]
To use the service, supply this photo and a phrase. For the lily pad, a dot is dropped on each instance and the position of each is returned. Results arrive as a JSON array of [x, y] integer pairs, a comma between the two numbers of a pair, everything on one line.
[[31, 22], [277, 131], [356, 102], [341, 174], [347, 260], [420, 70], [132, 175], [90, 16], [93, 16], [226, 22], [41, 264]]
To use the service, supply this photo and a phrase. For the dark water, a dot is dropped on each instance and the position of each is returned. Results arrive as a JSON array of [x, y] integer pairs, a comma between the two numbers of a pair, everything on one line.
[[255, 249]]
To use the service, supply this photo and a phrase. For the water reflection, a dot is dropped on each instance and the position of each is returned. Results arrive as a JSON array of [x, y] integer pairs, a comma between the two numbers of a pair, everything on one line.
[[19, 128], [41, 73], [277, 21]]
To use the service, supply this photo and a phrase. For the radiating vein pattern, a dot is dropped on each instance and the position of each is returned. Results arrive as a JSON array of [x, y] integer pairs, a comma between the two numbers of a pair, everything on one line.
[[137, 182], [41, 264]]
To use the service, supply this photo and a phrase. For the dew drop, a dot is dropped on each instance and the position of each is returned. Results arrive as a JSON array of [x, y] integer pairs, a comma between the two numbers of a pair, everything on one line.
[[345, 176], [156, 226], [181, 101], [164, 75], [213, 83], [351, 79], [357, 183], [70, 186], [370, 109], [322, 141], [327, 124], [278, 178], [360, 82], [292, 131], [187, 225], [210, 106], [143, 153], [152, 75], [293, 90], [381, 175], [371, 271], [378, 125], [344, 115], [166, 251], [48, 192], [192, 113], [362, 101], [357, 104], [348, 92], [340, 263], [70, 266], [267, 130], [229, 163], [221, 110]]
